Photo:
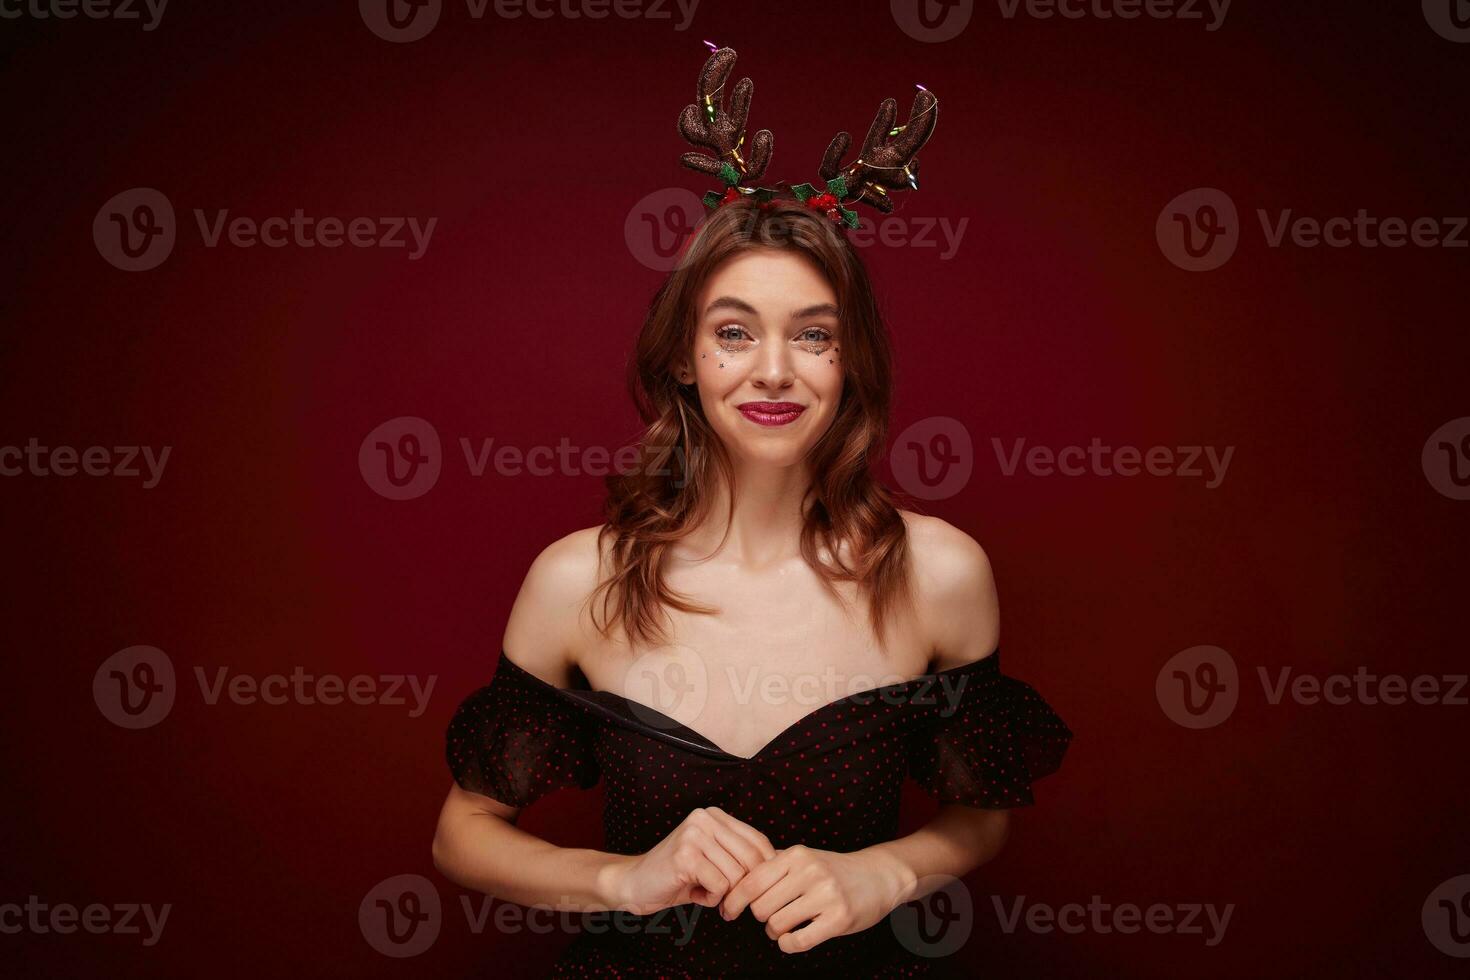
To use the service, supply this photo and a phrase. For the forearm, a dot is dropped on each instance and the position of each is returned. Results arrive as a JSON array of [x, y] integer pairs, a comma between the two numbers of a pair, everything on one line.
[[488, 854], [958, 840]]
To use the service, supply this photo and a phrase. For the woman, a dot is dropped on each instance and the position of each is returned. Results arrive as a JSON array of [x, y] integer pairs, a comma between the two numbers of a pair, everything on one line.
[[776, 810], [756, 646]]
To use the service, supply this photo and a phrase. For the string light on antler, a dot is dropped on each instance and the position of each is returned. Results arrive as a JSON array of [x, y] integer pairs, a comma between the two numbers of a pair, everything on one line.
[[898, 129], [709, 106], [887, 160]]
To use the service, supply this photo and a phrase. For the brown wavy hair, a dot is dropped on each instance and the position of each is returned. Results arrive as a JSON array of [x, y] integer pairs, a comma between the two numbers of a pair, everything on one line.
[[665, 497]]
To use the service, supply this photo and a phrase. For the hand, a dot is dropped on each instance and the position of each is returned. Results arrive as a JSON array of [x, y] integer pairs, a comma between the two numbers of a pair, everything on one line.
[[699, 861], [839, 893]]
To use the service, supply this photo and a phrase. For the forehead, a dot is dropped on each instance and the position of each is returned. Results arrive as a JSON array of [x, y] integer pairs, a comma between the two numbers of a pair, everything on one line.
[[774, 282]]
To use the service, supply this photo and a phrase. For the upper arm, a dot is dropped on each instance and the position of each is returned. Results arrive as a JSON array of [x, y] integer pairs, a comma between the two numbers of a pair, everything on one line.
[[955, 588], [547, 626], [543, 634]]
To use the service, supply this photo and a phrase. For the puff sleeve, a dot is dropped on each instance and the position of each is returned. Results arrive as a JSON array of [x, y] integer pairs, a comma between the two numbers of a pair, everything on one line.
[[518, 738], [986, 740]]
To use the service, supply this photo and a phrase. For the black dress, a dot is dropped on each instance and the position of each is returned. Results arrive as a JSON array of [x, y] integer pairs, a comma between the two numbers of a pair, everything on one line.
[[831, 780]]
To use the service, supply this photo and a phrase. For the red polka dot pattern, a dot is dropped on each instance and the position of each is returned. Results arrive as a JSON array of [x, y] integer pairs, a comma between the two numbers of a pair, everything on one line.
[[968, 735]]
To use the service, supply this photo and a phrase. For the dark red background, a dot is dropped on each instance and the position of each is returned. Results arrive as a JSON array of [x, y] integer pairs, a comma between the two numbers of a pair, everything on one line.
[[1059, 319]]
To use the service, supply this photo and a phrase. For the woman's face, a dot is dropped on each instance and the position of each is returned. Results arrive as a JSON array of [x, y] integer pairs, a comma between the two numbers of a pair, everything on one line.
[[766, 355]]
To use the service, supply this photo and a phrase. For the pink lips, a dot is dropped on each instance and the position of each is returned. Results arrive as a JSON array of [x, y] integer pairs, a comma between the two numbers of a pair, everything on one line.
[[771, 413]]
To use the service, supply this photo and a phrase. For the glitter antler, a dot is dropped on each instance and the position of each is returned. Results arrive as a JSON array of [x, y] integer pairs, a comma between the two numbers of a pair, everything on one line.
[[705, 123], [888, 157]]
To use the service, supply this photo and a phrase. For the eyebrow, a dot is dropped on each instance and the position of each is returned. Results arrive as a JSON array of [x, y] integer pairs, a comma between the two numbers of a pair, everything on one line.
[[734, 303]]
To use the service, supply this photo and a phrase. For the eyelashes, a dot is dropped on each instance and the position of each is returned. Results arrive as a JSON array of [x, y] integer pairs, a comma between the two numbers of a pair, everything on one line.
[[733, 338], [816, 344]]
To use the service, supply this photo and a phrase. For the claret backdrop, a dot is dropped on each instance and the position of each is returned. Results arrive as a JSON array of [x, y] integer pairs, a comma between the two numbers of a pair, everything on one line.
[[315, 318]]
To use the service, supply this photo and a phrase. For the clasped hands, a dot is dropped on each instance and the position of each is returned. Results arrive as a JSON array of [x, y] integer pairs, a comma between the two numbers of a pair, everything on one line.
[[713, 859]]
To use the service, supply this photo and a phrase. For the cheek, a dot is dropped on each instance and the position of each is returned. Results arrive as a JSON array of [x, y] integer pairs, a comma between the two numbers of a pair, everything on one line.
[[718, 369], [822, 370]]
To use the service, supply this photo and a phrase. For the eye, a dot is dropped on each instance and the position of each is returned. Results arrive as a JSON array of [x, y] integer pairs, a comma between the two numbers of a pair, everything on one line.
[[815, 339], [732, 335]]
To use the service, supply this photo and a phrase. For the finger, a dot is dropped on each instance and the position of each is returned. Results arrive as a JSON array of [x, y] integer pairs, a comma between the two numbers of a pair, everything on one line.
[[752, 886], [742, 852], [823, 928], [792, 914], [761, 841], [710, 846], [782, 893], [711, 879]]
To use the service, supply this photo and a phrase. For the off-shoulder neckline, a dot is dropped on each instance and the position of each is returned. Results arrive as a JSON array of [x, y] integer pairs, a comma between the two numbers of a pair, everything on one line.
[[669, 726]]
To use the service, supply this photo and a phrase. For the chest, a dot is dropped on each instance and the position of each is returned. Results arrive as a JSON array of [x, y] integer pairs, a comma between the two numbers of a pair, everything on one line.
[[779, 647]]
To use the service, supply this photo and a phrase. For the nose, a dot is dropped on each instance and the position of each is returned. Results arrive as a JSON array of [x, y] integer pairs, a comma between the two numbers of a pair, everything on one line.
[[773, 369]]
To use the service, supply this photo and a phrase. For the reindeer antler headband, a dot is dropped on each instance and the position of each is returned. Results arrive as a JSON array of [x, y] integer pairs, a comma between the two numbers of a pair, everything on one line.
[[888, 159]]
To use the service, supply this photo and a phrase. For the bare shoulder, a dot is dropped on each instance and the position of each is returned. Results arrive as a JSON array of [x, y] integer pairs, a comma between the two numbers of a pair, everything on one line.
[[954, 586], [545, 629]]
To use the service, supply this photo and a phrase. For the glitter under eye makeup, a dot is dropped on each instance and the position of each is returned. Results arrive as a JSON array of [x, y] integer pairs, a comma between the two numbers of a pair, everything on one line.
[[732, 338]]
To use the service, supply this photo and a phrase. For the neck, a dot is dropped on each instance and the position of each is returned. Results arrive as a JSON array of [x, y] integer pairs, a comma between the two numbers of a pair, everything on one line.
[[765, 526]]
